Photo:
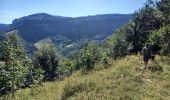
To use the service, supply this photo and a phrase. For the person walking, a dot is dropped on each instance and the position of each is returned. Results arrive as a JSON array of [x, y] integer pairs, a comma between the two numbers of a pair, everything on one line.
[[146, 55]]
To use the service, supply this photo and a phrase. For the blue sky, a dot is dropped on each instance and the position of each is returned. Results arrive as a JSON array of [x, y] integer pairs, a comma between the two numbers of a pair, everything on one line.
[[12, 9]]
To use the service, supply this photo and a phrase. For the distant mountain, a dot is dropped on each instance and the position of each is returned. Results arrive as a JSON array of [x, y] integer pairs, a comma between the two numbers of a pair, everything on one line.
[[2, 26], [66, 33], [36, 27]]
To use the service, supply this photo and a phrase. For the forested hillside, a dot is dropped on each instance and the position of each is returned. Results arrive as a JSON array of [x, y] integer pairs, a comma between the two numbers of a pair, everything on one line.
[[112, 69], [150, 25]]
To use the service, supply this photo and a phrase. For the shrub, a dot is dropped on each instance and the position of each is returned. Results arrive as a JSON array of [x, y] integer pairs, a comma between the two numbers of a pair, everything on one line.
[[90, 55], [67, 67]]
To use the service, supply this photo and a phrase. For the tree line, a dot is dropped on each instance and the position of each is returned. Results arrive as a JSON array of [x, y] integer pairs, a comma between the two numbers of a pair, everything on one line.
[[150, 24], [21, 71]]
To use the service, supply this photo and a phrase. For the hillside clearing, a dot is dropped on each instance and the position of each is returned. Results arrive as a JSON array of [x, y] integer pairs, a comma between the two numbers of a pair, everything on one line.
[[124, 79]]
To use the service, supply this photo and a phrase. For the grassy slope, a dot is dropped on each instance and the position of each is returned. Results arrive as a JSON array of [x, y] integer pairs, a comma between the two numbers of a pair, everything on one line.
[[124, 80]]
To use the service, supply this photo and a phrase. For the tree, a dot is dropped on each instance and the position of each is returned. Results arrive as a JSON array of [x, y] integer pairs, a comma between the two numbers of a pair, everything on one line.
[[47, 59], [34, 75], [164, 7], [162, 38], [15, 67], [145, 21], [120, 40]]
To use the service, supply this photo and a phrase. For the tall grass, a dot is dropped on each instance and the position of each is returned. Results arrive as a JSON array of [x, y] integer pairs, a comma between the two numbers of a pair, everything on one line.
[[123, 80]]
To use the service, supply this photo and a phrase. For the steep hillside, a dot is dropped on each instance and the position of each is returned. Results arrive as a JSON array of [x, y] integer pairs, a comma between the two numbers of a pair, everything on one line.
[[124, 79], [39, 26], [2, 26]]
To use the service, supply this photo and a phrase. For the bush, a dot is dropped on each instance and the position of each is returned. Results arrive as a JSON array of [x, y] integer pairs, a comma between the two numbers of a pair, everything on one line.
[[67, 67], [90, 55]]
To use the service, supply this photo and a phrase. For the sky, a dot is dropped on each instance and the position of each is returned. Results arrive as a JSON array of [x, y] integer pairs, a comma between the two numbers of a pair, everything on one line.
[[12, 9]]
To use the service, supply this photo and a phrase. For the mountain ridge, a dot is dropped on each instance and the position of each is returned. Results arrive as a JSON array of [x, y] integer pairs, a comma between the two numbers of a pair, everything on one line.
[[3, 26], [65, 31], [57, 16], [39, 26]]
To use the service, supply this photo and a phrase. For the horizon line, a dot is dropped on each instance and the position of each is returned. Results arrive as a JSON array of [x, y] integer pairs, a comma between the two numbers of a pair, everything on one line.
[[90, 15]]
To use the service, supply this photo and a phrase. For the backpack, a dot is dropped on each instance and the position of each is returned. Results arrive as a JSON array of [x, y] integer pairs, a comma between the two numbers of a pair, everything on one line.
[[146, 51]]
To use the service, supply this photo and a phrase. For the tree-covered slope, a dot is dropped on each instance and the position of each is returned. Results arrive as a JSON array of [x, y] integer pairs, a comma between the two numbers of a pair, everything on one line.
[[124, 79]]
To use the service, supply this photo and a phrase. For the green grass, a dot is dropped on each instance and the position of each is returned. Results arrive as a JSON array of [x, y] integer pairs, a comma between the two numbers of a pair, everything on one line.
[[123, 80]]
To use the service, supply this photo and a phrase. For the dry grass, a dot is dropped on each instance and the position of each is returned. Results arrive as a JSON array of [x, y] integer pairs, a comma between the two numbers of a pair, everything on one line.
[[123, 80]]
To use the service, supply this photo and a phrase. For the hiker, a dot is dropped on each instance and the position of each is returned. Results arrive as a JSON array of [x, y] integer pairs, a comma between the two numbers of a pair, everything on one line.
[[146, 54]]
